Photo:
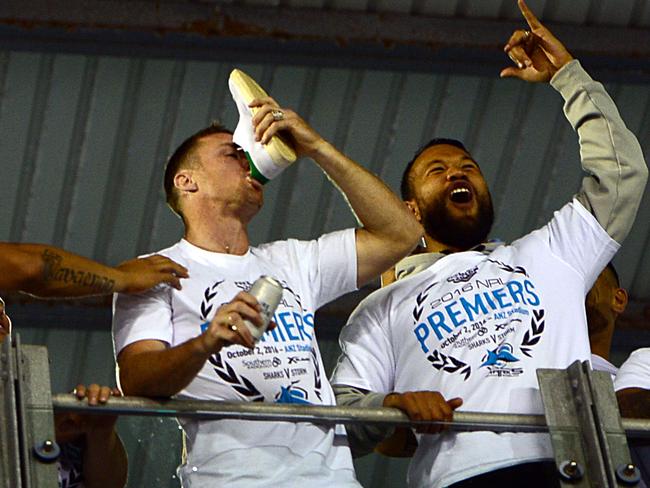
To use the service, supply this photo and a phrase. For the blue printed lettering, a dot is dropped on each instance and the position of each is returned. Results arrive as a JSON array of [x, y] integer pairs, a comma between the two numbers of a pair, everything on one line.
[[309, 321], [436, 321], [516, 291], [500, 294], [533, 298], [453, 314], [276, 333], [421, 333], [288, 325], [301, 327], [472, 310], [492, 305]]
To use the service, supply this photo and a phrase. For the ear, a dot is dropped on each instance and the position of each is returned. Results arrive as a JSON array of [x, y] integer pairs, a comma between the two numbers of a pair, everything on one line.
[[184, 181], [413, 207], [619, 300]]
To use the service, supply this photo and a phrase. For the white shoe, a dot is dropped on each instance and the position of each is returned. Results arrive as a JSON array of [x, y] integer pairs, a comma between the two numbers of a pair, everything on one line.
[[266, 160]]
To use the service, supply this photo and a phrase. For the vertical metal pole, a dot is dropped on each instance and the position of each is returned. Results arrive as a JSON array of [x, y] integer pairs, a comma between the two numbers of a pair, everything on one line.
[[9, 444], [568, 416], [588, 438], [35, 417], [616, 454]]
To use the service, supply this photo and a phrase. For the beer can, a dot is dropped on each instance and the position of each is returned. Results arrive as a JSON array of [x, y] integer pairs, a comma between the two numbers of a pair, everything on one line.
[[268, 292]]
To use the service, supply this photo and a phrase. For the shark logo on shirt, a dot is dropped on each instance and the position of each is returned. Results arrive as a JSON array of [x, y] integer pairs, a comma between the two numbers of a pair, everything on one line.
[[499, 356], [292, 394]]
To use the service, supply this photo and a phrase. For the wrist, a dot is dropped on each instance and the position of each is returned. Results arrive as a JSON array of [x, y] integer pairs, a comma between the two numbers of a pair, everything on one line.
[[120, 280], [205, 346], [319, 149]]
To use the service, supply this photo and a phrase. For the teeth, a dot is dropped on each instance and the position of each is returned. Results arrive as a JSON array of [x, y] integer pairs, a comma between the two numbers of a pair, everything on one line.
[[459, 190]]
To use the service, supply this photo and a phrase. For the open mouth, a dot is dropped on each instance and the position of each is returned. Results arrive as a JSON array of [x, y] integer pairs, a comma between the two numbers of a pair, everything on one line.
[[461, 193]]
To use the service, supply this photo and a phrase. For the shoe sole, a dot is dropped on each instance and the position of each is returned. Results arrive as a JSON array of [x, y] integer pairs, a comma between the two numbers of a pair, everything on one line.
[[278, 148]]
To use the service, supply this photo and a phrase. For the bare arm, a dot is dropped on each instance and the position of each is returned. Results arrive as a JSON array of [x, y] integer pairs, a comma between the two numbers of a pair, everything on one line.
[[104, 458], [105, 463], [389, 230], [151, 368], [48, 271]]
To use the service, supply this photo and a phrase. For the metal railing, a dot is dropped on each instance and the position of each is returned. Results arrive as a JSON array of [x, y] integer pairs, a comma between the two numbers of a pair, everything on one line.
[[580, 413], [324, 415]]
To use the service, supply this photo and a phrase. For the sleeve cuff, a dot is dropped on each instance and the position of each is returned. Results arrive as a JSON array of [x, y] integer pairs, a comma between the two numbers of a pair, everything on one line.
[[570, 78]]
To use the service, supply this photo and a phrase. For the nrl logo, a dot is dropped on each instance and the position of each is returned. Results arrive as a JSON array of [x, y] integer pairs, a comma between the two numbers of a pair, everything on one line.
[[463, 276]]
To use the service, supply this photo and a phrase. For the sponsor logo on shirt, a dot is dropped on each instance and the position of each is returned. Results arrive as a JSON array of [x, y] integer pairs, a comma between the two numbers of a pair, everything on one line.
[[292, 336], [483, 314], [262, 363], [463, 277]]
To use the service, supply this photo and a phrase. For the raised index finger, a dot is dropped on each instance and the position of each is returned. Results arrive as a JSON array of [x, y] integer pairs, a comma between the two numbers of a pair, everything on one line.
[[528, 14]]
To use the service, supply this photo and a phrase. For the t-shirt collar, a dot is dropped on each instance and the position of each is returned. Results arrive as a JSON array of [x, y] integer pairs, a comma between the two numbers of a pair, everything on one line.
[[197, 252], [412, 265]]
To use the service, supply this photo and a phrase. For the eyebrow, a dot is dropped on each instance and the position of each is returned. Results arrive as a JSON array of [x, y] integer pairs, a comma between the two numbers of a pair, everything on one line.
[[440, 161], [229, 146]]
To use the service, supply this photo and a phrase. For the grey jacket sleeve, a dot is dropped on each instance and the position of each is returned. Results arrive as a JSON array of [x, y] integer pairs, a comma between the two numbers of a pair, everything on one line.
[[362, 438], [610, 153]]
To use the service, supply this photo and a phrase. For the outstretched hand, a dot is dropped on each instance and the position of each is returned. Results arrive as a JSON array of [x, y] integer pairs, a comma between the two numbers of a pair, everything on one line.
[[537, 53], [140, 274]]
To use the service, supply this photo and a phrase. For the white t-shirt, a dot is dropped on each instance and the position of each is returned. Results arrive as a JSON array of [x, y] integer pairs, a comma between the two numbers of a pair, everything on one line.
[[477, 326], [285, 366], [635, 371], [599, 363]]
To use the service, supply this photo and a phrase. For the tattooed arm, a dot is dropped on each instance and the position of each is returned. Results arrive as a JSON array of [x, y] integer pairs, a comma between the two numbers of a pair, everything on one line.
[[47, 271]]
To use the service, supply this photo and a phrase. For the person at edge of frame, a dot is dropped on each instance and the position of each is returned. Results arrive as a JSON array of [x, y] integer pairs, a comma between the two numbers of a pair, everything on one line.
[[604, 303], [195, 343], [92, 453], [47, 271], [473, 320]]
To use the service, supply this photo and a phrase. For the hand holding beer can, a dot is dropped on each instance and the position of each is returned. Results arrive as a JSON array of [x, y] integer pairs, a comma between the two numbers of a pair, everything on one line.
[[268, 292]]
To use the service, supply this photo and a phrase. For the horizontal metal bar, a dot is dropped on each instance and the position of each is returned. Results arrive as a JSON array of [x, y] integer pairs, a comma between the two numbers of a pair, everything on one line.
[[204, 410], [295, 23], [215, 410], [291, 35]]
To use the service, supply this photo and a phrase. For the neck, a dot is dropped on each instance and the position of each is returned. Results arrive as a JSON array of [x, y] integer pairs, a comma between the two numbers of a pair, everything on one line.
[[217, 233], [436, 246], [601, 342]]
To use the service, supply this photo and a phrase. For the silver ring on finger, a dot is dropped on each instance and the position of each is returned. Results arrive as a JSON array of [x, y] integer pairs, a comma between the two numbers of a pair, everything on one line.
[[230, 323], [277, 114], [526, 35]]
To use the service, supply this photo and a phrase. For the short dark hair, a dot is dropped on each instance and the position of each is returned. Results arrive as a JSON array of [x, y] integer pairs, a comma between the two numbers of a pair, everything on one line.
[[405, 186], [610, 266], [184, 157]]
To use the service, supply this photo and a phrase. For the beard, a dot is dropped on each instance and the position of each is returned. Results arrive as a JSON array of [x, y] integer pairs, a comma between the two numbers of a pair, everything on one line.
[[460, 233]]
